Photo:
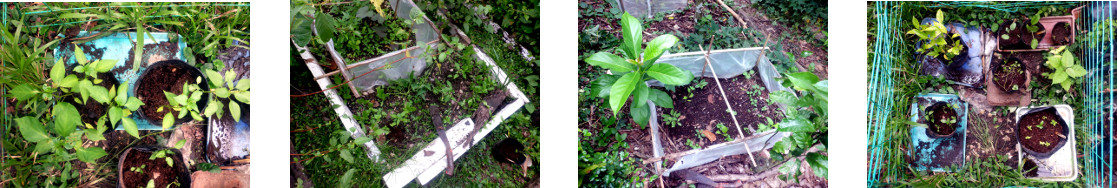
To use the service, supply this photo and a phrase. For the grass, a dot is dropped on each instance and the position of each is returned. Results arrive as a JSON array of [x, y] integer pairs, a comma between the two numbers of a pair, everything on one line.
[[980, 172]]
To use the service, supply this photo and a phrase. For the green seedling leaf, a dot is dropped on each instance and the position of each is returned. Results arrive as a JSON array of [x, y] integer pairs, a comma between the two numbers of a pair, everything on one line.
[[243, 84], [818, 164], [658, 46], [90, 154], [100, 94], [122, 94], [243, 96], [640, 114], [79, 56], [130, 127], [632, 35], [32, 130], [24, 92], [347, 156], [669, 74], [602, 85], [69, 81], [168, 120], [215, 77], [234, 110], [66, 118], [660, 98], [104, 65], [180, 143], [133, 103], [641, 95], [222, 92], [612, 62], [621, 90], [115, 113], [803, 80], [58, 72]]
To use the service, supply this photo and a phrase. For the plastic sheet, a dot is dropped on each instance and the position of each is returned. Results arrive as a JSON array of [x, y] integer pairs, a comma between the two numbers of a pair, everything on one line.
[[762, 141], [423, 33], [641, 8], [981, 46]]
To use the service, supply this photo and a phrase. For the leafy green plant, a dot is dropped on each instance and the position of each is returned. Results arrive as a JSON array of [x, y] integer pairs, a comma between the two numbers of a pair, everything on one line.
[[934, 36], [806, 119], [1066, 70], [221, 87], [671, 119], [165, 153], [639, 66]]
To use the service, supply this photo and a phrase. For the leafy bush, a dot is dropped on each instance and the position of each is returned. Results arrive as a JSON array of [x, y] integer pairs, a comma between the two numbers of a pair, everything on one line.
[[934, 37], [800, 14], [806, 120], [637, 69], [1066, 71]]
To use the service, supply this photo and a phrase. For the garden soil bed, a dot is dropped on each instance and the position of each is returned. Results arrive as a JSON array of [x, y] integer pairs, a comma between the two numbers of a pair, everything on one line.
[[1060, 35], [1009, 75]]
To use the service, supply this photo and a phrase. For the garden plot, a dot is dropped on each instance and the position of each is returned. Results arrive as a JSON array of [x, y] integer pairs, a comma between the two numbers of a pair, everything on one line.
[[716, 99], [1032, 59], [128, 94], [438, 88]]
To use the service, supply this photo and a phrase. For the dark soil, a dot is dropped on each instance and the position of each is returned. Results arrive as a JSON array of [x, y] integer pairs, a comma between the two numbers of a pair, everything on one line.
[[93, 110], [1043, 126], [1030, 168], [705, 109], [1009, 75], [1060, 35], [157, 79], [940, 115], [1019, 38], [157, 170]]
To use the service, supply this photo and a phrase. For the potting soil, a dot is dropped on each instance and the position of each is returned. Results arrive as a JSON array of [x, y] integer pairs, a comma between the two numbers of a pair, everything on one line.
[[1062, 165]]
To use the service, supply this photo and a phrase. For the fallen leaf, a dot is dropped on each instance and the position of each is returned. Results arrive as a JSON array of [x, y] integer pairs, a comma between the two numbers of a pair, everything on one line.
[[710, 135]]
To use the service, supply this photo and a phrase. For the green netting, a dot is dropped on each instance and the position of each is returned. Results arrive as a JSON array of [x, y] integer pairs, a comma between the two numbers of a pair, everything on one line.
[[1099, 104], [880, 84], [1003, 6]]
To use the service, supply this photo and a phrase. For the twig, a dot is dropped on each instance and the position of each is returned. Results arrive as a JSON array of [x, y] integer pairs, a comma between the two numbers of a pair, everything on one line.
[[743, 177], [732, 12], [730, 108]]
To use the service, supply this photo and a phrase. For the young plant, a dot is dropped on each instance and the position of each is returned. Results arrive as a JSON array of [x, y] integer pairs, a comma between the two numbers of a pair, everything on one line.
[[164, 154], [638, 66], [220, 87], [934, 36], [806, 120], [1062, 62], [672, 118]]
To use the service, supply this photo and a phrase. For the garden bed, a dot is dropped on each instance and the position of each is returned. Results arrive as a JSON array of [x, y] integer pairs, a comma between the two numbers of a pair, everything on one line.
[[703, 109]]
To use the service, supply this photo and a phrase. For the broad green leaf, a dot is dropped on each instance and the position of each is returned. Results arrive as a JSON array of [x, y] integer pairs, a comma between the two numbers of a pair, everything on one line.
[[621, 89], [79, 55], [100, 94], [803, 80], [938, 16], [243, 85], [133, 103], [660, 98], [95, 134], [168, 120], [658, 46], [215, 77], [122, 94], [58, 72], [325, 24], [600, 87], [196, 96], [212, 108], [612, 62], [234, 109], [90, 154], [641, 95], [669, 74], [32, 130], [1076, 71], [346, 155], [229, 76], [347, 179], [222, 92], [790, 167], [796, 125], [243, 96], [24, 92], [1058, 76], [115, 113], [818, 164], [1068, 59], [179, 144], [302, 32], [640, 114], [633, 36], [1066, 85], [104, 65], [69, 81], [171, 98], [784, 97], [66, 118], [130, 127]]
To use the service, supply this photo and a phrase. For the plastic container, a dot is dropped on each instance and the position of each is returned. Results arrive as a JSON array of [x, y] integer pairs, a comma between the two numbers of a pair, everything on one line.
[[180, 167]]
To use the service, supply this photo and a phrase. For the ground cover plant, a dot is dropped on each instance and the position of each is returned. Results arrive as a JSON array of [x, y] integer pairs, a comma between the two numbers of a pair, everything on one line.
[[615, 143], [991, 155], [405, 114], [58, 117]]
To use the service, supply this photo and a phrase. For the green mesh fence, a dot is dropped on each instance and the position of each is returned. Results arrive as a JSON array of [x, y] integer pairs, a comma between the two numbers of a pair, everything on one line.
[[880, 84], [1098, 20]]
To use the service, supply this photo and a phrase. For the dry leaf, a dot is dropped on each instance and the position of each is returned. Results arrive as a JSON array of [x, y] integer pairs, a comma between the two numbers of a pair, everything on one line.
[[710, 135]]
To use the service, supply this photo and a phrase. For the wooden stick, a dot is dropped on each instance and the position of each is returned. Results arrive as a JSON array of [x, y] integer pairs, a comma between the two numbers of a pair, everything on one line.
[[734, 13], [730, 108]]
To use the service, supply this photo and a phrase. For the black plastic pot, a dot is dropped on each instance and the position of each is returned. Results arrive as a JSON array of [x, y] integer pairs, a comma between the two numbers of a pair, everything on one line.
[[180, 168], [153, 71], [934, 134], [1058, 145]]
